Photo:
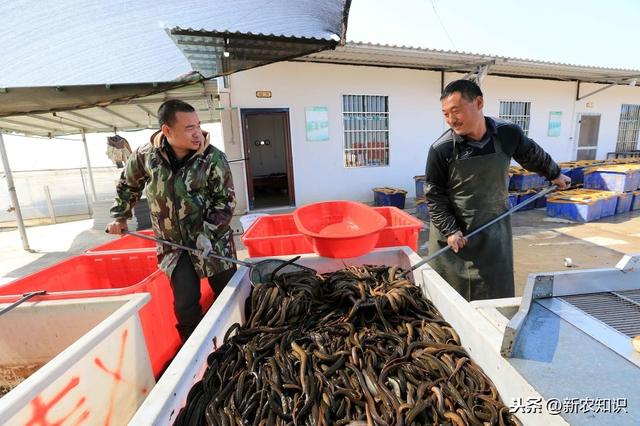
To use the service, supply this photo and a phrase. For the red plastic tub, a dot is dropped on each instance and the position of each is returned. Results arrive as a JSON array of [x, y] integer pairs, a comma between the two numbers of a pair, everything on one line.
[[340, 229], [115, 274], [126, 242], [278, 235]]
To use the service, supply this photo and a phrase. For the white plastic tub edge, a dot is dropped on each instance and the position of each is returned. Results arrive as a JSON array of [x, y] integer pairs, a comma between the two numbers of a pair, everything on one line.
[[61, 378], [483, 340]]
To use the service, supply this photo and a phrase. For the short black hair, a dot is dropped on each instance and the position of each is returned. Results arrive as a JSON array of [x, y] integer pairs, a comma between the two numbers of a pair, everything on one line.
[[467, 89], [168, 109]]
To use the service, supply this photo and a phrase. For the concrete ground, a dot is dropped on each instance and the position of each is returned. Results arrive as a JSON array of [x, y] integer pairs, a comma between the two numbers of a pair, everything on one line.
[[540, 244]]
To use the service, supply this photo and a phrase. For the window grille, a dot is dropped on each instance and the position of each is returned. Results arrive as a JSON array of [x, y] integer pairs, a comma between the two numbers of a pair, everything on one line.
[[366, 130], [628, 128], [517, 112]]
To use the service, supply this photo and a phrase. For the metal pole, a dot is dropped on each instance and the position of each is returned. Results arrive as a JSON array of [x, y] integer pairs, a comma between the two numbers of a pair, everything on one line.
[[86, 196], [47, 195], [91, 183], [13, 195]]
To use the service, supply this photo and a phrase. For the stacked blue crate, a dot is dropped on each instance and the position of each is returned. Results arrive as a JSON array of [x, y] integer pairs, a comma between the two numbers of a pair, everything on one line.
[[524, 196], [575, 208], [612, 178], [422, 210], [635, 204], [420, 186], [624, 202]]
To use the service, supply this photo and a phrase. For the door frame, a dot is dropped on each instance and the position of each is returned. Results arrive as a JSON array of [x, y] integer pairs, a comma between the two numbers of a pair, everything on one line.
[[246, 112], [577, 146]]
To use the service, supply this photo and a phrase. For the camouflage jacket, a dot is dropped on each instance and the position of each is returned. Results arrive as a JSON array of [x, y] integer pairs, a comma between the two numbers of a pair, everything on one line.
[[198, 198]]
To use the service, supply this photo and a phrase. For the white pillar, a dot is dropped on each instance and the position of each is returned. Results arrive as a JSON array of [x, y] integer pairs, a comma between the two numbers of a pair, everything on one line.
[[91, 184], [13, 195]]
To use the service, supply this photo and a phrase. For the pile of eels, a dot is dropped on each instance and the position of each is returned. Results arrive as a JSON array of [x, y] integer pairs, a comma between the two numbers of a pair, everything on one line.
[[360, 346]]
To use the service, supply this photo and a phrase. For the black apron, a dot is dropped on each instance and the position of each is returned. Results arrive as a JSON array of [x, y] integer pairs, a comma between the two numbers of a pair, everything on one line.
[[478, 192]]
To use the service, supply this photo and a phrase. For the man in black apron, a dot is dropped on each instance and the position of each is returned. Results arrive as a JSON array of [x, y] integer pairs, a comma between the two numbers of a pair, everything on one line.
[[467, 186]]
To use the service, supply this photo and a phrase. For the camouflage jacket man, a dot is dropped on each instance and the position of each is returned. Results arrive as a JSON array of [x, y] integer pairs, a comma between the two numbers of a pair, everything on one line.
[[198, 197]]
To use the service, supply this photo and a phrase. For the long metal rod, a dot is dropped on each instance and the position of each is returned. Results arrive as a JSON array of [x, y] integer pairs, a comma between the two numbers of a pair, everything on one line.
[[13, 195], [192, 250], [20, 301], [86, 153], [485, 226]]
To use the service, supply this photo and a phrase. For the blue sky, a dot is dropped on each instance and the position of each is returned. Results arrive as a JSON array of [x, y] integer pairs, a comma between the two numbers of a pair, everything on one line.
[[599, 33]]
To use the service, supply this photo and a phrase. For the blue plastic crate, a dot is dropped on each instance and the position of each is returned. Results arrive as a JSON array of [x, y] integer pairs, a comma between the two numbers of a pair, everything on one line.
[[540, 203], [578, 211], [513, 199], [524, 196], [577, 175], [624, 202], [523, 182], [609, 206], [382, 198], [422, 210], [421, 184], [612, 180], [635, 204]]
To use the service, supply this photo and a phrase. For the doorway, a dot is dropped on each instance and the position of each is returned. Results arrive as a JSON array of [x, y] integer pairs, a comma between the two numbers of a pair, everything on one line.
[[267, 148], [589, 127]]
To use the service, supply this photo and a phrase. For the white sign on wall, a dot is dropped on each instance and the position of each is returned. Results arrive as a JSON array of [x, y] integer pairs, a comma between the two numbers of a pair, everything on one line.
[[555, 122], [317, 120]]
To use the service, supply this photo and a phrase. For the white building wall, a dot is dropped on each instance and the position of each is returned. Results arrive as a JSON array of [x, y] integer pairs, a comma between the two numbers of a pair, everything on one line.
[[415, 119], [607, 103], [319, 172], [545, 96]]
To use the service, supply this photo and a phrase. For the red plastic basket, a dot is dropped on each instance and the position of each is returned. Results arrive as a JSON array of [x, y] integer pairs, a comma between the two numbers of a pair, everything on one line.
[[278, 235], [275, 235], [115, 274], [340, 229], [402, 229]]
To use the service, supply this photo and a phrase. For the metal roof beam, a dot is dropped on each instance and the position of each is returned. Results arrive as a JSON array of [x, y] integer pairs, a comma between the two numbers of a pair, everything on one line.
[[167, 96], [579, 98], [84, 117], [52, 120], [141, 107], [116, 114], [23, 124]]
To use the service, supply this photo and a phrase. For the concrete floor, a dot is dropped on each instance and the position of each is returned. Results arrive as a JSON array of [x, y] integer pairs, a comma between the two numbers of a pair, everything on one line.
[[540, 244]]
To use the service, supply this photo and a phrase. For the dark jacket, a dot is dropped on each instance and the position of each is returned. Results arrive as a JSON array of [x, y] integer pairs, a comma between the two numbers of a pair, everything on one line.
[[522, 149]]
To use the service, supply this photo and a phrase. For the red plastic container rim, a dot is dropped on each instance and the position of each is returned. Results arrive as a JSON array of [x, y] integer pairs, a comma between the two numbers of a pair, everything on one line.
[[379, 226]]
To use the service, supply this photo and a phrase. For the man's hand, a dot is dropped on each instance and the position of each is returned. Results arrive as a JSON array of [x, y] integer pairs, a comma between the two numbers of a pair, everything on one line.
[[456, 241], [562, 181], [117, 226]]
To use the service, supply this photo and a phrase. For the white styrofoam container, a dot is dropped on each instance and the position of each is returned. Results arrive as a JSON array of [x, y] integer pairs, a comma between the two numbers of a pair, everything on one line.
[[95, 364], [170, 393]]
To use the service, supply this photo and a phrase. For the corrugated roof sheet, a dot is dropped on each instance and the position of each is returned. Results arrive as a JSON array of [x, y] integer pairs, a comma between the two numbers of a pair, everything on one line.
[[109, 115], [222, 53], [358, 53], [81, 42], [112, 61]]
